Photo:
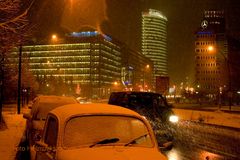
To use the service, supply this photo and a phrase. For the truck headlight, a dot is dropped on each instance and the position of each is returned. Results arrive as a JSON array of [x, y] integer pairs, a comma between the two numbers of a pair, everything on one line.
[[173, 118]]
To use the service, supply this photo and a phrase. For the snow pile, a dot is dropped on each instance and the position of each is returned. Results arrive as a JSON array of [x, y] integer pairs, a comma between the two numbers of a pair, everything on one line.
[[217, 118]]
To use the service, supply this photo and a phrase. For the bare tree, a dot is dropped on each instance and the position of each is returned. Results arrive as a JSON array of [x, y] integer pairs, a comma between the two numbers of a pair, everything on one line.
[[12, 21], [13, 30]]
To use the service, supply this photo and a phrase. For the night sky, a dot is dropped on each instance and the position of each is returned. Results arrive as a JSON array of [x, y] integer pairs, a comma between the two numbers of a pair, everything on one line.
[[122, 20]]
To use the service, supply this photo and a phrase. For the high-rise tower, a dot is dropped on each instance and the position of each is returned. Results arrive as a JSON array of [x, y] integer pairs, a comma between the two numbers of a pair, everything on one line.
[[154, 41]]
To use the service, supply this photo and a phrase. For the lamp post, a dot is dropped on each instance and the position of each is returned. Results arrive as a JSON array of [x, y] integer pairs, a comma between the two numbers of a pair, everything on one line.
[[1, 83], [146, 68], [211, 48], [19, 79]]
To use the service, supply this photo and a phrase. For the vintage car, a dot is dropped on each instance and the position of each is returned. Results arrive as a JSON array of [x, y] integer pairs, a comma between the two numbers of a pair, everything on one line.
[[97, 131]]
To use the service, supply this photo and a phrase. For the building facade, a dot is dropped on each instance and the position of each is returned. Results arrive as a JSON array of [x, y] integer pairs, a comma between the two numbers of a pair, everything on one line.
[[210, 64], [210, 51], [137, 70], [87, 63], [216, 74], [154, 41]]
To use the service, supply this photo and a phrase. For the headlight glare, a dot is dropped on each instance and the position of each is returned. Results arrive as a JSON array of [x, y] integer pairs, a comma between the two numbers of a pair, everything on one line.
[[173, 118]]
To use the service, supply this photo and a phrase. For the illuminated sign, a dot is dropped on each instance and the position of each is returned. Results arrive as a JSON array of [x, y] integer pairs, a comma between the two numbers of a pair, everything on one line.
[[204, 24], [90, 34], [84, 34], [205, 32]]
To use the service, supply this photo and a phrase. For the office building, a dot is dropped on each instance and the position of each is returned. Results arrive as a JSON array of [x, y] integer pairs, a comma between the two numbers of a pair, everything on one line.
[[87, 63], [210, 52], [215, 50], [154, 41]]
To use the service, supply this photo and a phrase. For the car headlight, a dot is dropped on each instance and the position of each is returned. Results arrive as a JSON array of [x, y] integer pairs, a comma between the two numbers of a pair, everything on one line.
[[173, 118]]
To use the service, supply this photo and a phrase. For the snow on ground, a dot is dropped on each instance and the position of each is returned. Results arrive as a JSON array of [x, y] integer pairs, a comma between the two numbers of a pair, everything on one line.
[[210, 117], [10, 137]]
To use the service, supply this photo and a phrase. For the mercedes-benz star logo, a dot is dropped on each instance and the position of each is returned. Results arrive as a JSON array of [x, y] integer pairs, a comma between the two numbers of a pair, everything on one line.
[[204, 24]]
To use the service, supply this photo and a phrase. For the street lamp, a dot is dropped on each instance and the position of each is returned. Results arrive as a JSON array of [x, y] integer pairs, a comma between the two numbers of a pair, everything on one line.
[[146, 68], [210, 49], [54, 38], [115, 85]]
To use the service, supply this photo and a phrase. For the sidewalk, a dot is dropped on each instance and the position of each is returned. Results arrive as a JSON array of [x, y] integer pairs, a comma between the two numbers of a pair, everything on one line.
[[11, 136]]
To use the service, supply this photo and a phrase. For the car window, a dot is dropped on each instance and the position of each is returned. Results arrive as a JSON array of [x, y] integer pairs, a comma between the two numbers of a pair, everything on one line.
[[51, 132], [120, 99], [87, 130], [147, 100]]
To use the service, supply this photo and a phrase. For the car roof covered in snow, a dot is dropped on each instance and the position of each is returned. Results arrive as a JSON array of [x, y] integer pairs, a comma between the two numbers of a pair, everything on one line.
[[53, 99], [70, 110]]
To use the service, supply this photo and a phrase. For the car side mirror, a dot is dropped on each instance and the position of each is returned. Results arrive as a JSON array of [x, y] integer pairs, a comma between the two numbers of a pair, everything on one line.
[[27, 116]]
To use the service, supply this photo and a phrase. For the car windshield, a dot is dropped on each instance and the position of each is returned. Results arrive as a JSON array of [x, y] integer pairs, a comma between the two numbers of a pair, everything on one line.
[[106, 130]]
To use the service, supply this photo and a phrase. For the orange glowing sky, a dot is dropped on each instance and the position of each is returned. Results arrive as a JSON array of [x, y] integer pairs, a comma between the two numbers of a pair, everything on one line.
[[78, 14]]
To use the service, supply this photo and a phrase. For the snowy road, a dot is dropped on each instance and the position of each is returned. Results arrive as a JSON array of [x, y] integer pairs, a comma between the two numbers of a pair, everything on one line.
[[197, 141]]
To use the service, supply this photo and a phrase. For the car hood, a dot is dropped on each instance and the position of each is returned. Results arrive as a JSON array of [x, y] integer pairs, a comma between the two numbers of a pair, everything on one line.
[[111, 153]]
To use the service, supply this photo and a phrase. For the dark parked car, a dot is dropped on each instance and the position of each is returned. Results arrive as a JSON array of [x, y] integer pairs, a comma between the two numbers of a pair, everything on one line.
[[154, 107]]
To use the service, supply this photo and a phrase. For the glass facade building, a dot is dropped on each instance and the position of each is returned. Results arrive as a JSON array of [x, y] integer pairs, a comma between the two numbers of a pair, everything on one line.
[[87, 63], [154, 41]]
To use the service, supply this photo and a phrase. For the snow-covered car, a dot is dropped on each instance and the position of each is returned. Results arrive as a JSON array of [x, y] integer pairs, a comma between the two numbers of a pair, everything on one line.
[[97, 131], [40, 107], [155, 108], [83, 100]]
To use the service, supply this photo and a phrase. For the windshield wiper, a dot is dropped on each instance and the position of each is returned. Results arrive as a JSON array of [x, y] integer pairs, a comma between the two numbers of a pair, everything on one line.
[[105, 141], [135, 139]]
